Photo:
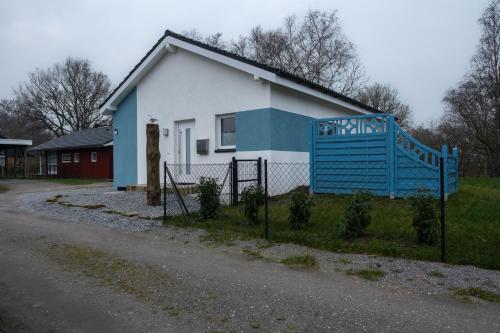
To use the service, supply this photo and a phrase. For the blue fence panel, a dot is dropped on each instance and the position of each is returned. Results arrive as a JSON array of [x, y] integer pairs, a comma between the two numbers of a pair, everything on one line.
[[371, 152], [349, 154]]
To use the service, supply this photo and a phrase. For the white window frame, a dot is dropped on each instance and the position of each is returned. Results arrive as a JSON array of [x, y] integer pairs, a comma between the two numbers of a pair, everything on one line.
[[93, 157], [218, 129], [76, 157], [68, 158]]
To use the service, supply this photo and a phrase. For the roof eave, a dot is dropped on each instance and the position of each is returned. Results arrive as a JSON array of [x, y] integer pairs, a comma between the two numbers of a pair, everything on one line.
[[170, 41]]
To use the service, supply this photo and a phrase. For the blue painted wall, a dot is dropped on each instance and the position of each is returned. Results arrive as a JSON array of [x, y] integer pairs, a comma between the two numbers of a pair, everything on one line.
[[125, 143], [272, 129]]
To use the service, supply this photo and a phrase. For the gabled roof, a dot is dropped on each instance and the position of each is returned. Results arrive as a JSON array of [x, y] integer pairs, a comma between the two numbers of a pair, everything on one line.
[[170, 40], [88, 138]]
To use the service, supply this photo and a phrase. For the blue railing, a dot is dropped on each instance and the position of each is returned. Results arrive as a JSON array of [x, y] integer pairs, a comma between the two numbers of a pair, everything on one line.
[[371, 152]]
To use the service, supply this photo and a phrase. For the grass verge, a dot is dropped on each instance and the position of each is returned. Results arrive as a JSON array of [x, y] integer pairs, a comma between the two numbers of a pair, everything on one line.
[[367, 274], [472, 230], [3, 188], [306, 261], [485, 295], [147, 282], [134, 279]]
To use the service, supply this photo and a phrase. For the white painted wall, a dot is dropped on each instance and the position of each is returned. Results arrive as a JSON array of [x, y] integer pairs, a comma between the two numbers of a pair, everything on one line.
[[294, 101], [184, 86]]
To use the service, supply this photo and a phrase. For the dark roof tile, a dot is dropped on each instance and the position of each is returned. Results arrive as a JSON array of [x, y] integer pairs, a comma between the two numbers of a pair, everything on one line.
[[88, 138]]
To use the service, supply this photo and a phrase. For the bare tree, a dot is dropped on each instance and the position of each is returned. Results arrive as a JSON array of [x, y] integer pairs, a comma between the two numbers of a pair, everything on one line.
[[314, 48], [474, 105], [14, 123], [387, 99], [214, 40], [65, 97]]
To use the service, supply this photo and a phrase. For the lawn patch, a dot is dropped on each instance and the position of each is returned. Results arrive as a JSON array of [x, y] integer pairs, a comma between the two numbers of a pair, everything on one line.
[[343, 261], [472, 229], [3, 188], [305, 261], [436, 274], [485, 295], [367, 274]]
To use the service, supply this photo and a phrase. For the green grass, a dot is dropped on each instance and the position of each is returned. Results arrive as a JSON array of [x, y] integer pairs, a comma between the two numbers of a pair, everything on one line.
[[472, 226], [304, 261], [436, 274], [485, 295], [3, 188], [367, 274]]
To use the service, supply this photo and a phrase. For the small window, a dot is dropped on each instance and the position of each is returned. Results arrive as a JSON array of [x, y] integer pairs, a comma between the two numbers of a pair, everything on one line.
[[227, 131], [93, 156], [52, 163], [66, 158], [76, 157]]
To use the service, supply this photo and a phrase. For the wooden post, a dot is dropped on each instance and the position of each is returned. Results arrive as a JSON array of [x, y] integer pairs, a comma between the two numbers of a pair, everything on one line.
[[153, 164]]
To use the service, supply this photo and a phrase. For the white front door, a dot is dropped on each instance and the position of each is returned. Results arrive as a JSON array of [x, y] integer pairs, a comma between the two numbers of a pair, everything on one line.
[[185, 145]]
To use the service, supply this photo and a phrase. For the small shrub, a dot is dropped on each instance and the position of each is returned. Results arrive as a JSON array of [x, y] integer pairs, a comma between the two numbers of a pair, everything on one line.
[[299, 209], [252, 197], [423, 205], [357, 215], [209, 197]]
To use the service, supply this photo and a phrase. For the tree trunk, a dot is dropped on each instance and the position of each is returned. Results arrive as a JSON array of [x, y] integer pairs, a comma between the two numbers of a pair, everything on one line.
[[153, 164]]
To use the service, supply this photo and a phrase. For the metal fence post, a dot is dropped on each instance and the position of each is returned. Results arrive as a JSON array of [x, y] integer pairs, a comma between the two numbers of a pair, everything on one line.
[[234, 184], [442, 206], [391, 151], [266, 211], [259, 171], [165, 192], [312, 157]]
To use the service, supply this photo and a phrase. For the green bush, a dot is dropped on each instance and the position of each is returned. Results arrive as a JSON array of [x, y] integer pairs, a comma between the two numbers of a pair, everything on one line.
[[252, 198], [423, 204], [299, 209], [209, 197], [357, 215]]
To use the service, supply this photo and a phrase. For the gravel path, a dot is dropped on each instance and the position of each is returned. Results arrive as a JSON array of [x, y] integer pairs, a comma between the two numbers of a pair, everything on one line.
[[399, 275], [121, 210]]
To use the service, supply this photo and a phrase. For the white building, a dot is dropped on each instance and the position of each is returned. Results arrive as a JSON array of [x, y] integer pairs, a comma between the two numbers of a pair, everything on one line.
[[235, 106]]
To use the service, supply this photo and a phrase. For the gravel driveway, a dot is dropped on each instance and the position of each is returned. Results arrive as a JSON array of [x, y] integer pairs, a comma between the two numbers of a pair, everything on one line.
[[120, 209]]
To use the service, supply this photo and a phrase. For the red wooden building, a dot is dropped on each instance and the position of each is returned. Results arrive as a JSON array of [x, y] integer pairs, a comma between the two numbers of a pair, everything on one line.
[[83, 154]]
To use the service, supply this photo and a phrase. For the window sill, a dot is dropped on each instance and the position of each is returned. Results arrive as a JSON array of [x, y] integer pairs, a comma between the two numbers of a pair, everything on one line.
[[225, 150]]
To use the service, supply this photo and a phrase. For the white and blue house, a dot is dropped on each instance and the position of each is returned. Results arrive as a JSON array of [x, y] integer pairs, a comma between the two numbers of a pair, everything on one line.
[[232, 106]]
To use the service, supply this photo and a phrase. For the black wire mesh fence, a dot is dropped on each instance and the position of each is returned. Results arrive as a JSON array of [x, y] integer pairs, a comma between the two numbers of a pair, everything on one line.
[[180, 185], [283, 178]]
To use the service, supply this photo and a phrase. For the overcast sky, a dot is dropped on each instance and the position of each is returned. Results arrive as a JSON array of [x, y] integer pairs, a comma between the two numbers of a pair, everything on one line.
[[420, 47]]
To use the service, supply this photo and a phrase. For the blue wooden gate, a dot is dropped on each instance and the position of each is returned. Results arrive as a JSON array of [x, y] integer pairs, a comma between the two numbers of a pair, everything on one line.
[[371, 152]]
